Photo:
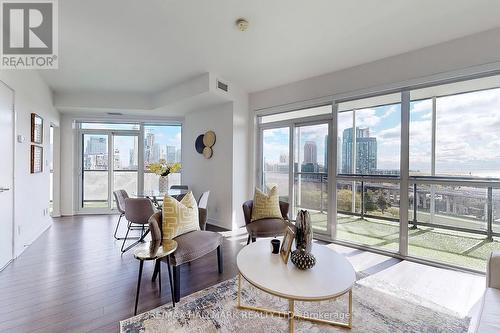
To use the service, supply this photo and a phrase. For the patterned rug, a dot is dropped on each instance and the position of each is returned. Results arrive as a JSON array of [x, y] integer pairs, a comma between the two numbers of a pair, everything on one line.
[[214, 310]]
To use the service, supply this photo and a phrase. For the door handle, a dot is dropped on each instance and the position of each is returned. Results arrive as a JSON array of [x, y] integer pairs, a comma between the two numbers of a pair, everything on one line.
[[3, 189]]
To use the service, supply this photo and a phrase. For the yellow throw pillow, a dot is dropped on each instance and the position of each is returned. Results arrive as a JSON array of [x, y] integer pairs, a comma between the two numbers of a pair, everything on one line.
[[179, 217], [266, 205]]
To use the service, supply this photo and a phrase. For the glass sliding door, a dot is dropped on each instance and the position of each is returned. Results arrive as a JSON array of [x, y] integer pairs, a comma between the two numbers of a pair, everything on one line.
[[125, 162], [311, 173], [102, 172], [275, 160], [95, 171], [368, 179]]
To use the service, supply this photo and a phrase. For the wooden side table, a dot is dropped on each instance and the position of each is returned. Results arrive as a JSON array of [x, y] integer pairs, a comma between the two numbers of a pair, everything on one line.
[[155, 251]]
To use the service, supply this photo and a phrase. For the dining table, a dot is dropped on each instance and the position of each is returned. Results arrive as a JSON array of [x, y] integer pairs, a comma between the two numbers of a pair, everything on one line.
[[157, 197]]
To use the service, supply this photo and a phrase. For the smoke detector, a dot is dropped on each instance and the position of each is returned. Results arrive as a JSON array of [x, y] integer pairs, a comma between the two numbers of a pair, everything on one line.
[[242, 24]]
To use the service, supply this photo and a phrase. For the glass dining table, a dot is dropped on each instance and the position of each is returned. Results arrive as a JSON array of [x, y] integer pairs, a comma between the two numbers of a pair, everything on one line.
[[157, 197]]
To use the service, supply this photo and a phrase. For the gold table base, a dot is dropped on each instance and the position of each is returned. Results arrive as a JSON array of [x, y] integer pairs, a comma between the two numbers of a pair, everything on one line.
[[290, 314]]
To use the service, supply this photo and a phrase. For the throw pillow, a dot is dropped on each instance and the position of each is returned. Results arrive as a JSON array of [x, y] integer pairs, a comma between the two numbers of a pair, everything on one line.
[[179, 217], [266, 205]]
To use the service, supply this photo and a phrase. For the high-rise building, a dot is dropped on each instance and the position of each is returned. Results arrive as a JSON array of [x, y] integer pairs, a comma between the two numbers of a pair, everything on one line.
[[339, 154], [170, 157], [310, 152], [116, 159], [284, 158], [366, 151], [149, 142], [96, 145], [310, 162], [178, 155]]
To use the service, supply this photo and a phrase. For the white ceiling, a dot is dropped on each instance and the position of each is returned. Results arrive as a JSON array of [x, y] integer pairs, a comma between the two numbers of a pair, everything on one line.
[[147, 46]]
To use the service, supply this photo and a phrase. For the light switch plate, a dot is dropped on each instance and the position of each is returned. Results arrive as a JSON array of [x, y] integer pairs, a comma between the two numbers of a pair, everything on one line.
[[21, 138]]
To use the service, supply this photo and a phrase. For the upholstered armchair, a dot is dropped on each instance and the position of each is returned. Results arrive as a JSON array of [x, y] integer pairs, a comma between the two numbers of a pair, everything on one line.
[[190, 246], [271, 227]]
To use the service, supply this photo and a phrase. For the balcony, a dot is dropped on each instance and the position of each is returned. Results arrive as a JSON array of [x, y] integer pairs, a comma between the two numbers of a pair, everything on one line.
[[454, 221]]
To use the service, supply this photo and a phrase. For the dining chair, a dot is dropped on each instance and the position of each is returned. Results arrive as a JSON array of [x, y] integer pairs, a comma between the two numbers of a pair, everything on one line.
[[120, 196], [203, 204], [203, 201], [190, 246], [137, 212]]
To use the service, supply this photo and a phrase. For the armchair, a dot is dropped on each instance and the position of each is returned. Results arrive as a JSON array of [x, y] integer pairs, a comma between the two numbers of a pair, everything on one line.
[[265, 227]]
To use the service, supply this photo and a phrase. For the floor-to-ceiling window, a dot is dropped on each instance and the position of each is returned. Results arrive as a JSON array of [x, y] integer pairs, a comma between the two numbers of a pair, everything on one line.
[[275, 160], [428, 157], [161, 142], [455, 167], [310, 172], [115, 156], [294, 156], [368, 171]]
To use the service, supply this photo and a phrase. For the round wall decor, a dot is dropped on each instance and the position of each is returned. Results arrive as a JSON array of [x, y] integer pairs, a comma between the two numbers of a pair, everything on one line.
[[204, 143], [207, 152], [198, 144], [209, 139]]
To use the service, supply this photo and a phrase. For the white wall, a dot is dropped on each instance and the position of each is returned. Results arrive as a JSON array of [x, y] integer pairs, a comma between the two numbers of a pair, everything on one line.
[[68, 167], [31, 190], [416, 66], [214, 174]]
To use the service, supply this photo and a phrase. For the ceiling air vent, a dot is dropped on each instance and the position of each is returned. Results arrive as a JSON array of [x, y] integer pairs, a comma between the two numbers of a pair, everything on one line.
[[115, 113], [222, 86]]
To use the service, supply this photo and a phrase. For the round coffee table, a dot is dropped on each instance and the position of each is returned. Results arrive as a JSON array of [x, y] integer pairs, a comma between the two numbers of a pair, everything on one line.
[[154, 250], [331, 277]]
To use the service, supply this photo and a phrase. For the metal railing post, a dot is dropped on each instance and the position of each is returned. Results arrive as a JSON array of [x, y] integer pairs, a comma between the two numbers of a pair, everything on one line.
[[415, 205], [321, 195], [490, 214], [362, 199]]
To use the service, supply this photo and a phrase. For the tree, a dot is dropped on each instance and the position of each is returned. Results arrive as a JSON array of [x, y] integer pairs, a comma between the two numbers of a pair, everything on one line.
[[344, 200], [382, 203], [369, 203]]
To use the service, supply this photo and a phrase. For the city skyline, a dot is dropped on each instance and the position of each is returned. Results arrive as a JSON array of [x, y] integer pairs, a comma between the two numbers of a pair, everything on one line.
[[470, 148], [162, 142]]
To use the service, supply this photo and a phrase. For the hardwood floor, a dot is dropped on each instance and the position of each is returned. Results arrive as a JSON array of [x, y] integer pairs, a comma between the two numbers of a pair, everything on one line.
[[74, 279]]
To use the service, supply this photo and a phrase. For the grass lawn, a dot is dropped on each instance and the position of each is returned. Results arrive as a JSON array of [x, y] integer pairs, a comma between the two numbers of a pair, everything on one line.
[[451, 247]]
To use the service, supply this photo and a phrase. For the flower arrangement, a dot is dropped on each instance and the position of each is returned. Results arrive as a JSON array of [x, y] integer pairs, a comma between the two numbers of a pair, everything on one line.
[[162, 168]]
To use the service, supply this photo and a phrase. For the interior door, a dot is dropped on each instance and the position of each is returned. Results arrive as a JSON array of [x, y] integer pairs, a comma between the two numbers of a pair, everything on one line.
[[6, 174]]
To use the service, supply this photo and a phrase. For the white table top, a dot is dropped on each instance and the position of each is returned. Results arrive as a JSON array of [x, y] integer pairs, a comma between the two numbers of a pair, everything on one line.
[[332, 275]]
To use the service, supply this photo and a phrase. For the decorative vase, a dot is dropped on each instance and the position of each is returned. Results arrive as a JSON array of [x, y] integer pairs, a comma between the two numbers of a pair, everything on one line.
[[304, 233], [163, 184], [302, 259]]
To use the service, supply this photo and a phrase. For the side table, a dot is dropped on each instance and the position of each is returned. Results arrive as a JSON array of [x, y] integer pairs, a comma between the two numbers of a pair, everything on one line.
[[155, 251]]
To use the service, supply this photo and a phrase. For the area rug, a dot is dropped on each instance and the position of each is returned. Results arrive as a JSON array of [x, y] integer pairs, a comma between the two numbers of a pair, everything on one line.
[[214, 310]]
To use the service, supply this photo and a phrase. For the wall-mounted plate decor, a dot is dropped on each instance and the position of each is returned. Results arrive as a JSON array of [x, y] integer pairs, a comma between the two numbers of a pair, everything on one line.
[[207, 152], [36, 128], [204, 143], [198, 144], [209, 139]]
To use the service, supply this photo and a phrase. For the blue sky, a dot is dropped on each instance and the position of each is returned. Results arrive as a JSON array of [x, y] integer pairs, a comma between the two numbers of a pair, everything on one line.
[[467, 140]]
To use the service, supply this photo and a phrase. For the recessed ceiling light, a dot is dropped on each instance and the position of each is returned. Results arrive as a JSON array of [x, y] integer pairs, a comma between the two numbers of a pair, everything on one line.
[[242, 24]]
